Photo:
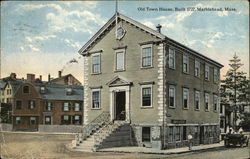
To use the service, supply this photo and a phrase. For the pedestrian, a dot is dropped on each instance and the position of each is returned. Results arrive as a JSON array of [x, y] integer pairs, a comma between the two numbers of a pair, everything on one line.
[[190, 137]]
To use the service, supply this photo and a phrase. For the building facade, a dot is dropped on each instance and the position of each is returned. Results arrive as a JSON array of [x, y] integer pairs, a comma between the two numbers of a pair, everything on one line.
[[162, 88]]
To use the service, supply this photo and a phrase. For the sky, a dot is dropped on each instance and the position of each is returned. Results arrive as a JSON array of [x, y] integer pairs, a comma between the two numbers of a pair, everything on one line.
[[42, 37]]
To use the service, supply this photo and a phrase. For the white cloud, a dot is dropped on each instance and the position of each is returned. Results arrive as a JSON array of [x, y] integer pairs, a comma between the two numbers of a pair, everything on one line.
[[72, 43], [21, 48], [28, 39], [33, 48], [222, 13], [168, 25], [149, 24]]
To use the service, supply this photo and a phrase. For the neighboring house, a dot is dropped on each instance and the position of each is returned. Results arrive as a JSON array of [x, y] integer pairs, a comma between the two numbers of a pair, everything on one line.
[[162, 89], [68, 79]]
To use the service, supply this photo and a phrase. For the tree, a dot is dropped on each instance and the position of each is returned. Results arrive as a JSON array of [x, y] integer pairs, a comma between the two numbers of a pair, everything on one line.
[[235, 90], [245, 121]]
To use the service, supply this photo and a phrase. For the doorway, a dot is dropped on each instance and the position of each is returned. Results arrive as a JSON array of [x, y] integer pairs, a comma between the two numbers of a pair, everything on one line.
[[120, 102], [202, 135]]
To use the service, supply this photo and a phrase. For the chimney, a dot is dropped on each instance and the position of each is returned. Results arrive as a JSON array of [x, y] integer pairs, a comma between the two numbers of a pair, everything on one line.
[[40, 77], [13, 76], [59, 74], [49, 78], [31, 77], [159, 28]]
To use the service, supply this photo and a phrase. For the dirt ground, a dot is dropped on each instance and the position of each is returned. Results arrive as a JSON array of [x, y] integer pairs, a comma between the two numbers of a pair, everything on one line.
[[19, 145]]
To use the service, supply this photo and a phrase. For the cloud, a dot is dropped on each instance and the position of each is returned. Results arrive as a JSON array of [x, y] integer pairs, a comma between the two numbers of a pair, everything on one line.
[[149, 24], [33, 48], [72, 43], [222, 13]]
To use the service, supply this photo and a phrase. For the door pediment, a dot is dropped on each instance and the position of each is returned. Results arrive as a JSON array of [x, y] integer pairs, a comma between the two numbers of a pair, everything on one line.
[[118, 81]]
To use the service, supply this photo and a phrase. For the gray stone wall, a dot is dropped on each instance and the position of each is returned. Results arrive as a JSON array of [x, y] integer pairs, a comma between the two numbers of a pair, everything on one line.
[[60, 128], [6, 127]]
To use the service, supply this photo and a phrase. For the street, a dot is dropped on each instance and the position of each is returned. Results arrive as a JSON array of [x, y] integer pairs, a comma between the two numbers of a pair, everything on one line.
[[19, 145]]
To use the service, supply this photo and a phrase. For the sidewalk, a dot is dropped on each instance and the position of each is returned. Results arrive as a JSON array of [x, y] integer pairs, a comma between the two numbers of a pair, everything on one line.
[[156, 151]]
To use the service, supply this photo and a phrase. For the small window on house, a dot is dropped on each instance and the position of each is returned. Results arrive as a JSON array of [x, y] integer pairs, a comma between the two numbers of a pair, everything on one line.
[[2, 92], [147, 56], [32, 104], [120, 60], [18, 104], [32, 120], [206, 72], [146, 96], [216, 75], [171, 59], [42, 89], [26, 89], [196, 132], [171, 134], [96, 63], [171, 96], [197, 69], [185, 98], [18, 120], [206, 101], [77, 107], [66, 106], [69, 91], [146, 134], [185, 63], [48, 120], [178, 133], [197, 100], [95, 99], [66, 119], [184, 133], [221, 109], [215, 102], [48, 106], [77, 119]]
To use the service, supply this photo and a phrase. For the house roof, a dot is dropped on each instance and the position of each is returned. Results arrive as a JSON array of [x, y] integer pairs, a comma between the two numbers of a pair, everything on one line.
[[64, 78], [84, 50]]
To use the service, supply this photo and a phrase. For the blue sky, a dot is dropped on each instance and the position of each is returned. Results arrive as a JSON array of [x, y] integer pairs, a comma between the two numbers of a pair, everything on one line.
[[41, 37]]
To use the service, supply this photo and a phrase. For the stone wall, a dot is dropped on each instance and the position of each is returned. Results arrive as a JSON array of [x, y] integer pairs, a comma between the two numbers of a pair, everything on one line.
[[60, 128], [6, 127]]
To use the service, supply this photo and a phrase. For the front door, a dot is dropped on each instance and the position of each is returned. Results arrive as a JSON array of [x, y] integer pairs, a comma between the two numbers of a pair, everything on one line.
[[120, 101], [202, 135]]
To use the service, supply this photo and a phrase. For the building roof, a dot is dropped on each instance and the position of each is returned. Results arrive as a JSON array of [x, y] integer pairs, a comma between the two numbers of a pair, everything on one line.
[[84, 50], [65, 77]]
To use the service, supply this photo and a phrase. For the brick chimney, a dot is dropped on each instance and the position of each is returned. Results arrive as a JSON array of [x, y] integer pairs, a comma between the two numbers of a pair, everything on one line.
[[159, 28], [59, 74], [40, 77], [49, 78], [31, 77]]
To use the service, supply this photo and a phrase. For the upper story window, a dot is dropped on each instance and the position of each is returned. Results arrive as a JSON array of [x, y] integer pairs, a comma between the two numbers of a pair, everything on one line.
[[66, 106], [120, 60], [197, 100], [147, 56], [96, 99], [206, 101], [206, 72], [171, 96], [197, 69], [77, 107], [26, 89], [32, 104], [185, 98], [48, 106], [171, 59], [69, 91], [96, 63], [146, 96], [216, 75], [215, 101], [18, 120], [2, 92], [42, 89], [18, 104], [185, 63]]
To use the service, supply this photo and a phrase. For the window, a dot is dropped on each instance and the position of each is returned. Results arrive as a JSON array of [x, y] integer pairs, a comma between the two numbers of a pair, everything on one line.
[[18, 120], [170, 134], [26, 89], [171, 96], [77, 107], [196, 132], [18, 104], [221, 109], [206, 101], [184, 133], [171, 59], [77, 119], [146, 134], [66, 106], [197, 69], [146, 96], [48, 106], [216, 75], [185, 63], [32, 104], [147, 56], [48, 120], [10, 91], [120, 60], [2, 92], [32, 120], [66, 119], [206, 72], [197, 100], [42, 89], [69, 91], [96, 63], [178, 133], [185, 98], [215, 102], [95, 99]]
